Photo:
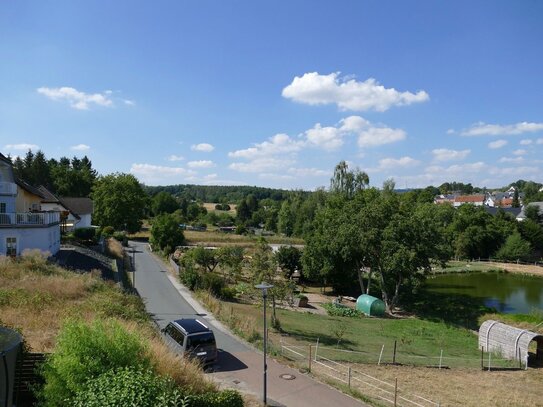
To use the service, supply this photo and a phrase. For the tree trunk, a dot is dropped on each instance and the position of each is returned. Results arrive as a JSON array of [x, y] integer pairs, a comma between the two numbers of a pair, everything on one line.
[[369, 281], [274, 317], [360, 279]]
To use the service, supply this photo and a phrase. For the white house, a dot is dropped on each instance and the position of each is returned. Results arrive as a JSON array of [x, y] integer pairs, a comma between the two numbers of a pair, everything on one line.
[[75, 212], [23, 223]]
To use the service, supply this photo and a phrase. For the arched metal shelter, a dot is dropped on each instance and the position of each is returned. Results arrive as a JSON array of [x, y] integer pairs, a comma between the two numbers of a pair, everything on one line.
[[510, 342]]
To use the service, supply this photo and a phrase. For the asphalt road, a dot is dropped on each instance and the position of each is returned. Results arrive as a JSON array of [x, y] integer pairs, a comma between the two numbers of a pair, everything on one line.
[[239, 365]]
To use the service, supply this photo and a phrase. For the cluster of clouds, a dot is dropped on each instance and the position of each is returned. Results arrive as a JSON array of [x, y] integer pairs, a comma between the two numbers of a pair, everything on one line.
[[278, 156], [80, 100]]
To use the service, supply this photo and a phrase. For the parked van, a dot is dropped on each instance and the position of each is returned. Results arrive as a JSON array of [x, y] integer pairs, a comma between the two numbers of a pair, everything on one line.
[[193, 339]]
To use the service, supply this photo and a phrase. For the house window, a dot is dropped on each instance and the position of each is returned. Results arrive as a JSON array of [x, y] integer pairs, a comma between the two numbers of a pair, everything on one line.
[[11, 246], [2, 207]]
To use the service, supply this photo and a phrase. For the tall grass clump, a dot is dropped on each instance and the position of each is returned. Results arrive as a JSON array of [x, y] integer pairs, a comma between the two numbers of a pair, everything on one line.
[[83, 352]]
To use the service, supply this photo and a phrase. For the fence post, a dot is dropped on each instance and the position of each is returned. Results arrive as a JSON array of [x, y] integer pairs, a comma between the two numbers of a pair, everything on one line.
[[381, 355], [440, 359], [526, 365], [519, 359], [394, 354], [309, 360], [349, 377], [316, 349], [489, 360], [482, 357], [396, 392]]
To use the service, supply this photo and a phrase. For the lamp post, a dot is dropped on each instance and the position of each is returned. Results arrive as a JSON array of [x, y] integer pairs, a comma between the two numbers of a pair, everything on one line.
[[264, 287]]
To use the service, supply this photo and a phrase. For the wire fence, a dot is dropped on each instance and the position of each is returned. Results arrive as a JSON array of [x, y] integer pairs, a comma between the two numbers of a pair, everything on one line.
[[491, 260], [346, 366]]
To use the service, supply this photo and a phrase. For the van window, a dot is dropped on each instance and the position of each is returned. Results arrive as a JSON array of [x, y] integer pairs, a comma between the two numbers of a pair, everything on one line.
[[175, 334], [204, 339]]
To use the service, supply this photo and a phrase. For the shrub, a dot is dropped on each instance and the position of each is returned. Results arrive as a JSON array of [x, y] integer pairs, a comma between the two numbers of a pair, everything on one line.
[[120, 236], [85, 233], [85, 351], [228, 293], [108, 231], [341, 311], [225, 398], [213, 283], [191, 278], [129, 386]]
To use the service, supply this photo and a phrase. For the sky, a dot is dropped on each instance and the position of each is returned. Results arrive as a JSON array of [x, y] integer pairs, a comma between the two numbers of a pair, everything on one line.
[[275, 94]]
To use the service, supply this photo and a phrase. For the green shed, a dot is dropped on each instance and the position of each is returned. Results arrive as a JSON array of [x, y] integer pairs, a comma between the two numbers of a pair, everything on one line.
[[370, 306]]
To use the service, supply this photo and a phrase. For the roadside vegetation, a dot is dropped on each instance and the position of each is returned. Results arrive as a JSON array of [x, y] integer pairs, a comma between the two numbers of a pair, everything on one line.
[[93, 330]]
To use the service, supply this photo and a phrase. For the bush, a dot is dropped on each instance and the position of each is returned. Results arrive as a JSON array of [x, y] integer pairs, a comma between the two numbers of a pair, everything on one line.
[[85, 233], [341, 311], [108, 231], [129, 386], [120, 236], [225, 398], [213, 283], [222, 207], [191, 278], [228, 293], [85, 351]]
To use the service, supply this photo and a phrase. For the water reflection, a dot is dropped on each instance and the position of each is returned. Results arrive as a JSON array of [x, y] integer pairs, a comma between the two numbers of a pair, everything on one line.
[[507, 293]]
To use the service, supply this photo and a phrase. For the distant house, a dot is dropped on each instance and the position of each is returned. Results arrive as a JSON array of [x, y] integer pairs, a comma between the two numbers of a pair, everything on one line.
[[522, 215], [24, 224], [494, 211], [477, 200], [444, 199], [76, 212]]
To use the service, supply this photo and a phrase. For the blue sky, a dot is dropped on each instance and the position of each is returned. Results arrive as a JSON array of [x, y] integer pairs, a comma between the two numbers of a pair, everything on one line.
[[277, 93]]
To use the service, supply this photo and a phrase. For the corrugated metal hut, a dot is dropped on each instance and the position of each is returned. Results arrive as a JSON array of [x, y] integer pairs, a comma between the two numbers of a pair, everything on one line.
[[510, 342], [370, 305]]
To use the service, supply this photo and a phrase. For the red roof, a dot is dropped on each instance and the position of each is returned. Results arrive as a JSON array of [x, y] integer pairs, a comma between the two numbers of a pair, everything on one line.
[[470, 198]]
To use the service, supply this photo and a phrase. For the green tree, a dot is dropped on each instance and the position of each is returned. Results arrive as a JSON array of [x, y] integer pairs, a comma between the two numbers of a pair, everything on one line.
[[231, 261], [119, 201], [532, 232], [289, 259], [205, 258], [532, 213], [166, 234], [514, 248], [348, 182], [263, 266], [163, 202], [285, 219], [516, 202]]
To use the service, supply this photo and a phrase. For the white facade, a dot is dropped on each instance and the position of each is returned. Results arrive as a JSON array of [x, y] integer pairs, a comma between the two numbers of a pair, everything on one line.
[[14, 241]]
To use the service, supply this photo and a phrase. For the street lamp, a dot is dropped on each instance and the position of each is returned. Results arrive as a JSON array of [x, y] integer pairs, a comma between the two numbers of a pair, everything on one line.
[[264, 287]]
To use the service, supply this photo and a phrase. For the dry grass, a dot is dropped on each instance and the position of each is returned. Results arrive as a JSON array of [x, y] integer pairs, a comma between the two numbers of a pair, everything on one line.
[[211, 208], [37, 297], [115, 248], [463, 387]]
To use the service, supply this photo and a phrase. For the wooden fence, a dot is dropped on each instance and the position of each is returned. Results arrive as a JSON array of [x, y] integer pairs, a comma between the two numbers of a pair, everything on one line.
[[27, 377]]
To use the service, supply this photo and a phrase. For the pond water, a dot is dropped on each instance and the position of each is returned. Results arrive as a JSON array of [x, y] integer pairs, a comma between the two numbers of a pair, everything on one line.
[[506, 292]]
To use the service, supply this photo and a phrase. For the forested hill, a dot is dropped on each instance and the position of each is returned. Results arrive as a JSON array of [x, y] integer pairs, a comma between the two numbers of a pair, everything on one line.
[[220, 193]]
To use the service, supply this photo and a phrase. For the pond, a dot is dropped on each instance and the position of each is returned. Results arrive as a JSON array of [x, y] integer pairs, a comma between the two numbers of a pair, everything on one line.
[[506, 292]]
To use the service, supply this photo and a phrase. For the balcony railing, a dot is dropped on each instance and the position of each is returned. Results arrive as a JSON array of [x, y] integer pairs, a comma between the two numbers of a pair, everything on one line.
[[8, 188], [29, 219]]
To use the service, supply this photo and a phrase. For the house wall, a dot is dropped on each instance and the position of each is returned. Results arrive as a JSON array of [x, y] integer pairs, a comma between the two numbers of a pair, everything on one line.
[[9, 201], [85, 221], [46, 239], [25, 200]]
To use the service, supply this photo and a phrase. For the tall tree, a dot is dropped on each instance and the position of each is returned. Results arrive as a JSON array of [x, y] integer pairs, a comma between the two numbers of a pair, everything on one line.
[[166, 233], [119, 201], [348, 182], [516, 202], [285, 219], [163, 202]]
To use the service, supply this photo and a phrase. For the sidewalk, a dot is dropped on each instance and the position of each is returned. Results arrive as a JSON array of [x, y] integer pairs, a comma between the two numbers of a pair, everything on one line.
[[243, 370]]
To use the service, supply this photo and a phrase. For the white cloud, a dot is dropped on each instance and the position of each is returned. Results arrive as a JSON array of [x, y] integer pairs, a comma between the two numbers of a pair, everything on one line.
[[483, 129], [328, 138], [526, 142], [174, 157], [539, 141], [278, 144], [451, 131], [154, 174], [388, 163], [22, 146], [457, 169], [77, 99], [444, 154], [200, 164], [376, 136], [348, 93], [80, 147], [307, 172], [497, 144], [520, 151], [262, 164], [515, 160], [203, 147], [129, 102]]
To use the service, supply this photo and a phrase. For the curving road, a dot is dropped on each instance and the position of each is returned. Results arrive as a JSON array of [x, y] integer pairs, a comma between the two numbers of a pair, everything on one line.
[[239, 365]]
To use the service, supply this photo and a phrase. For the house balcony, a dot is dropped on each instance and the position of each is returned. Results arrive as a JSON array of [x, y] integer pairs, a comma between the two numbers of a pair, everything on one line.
[[29, 219], [8, 188]]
